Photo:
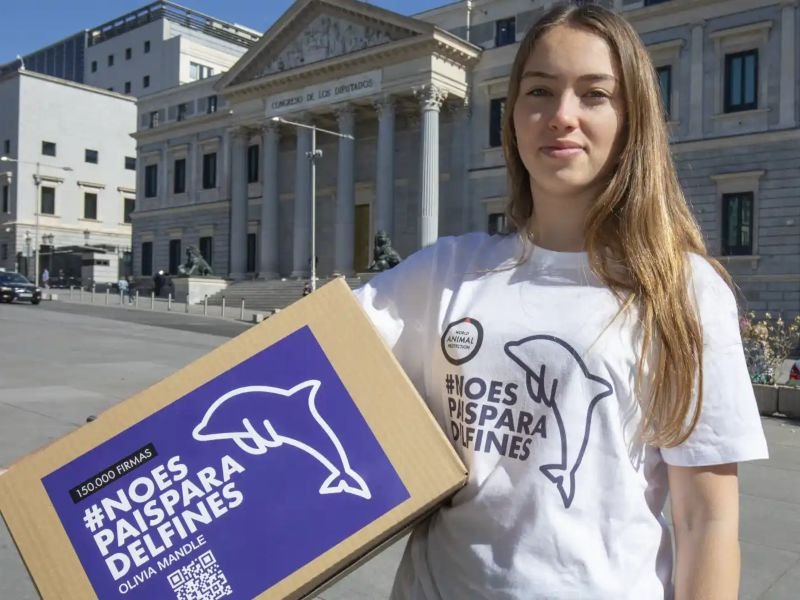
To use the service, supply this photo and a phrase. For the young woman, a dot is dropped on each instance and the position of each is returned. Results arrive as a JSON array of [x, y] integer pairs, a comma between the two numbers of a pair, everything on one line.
[[587, 363]]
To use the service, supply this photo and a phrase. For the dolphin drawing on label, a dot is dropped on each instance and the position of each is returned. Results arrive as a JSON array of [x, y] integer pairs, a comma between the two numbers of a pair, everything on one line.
[[529, 353], [260, 418]]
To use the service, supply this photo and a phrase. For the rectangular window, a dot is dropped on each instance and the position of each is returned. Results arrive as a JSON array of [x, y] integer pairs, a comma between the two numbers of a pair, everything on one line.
[[737, 224], [252, 163], [127, 209], [497, 223], [91, 156], [212, 104], [198, 71], [179, 180], [251, 253], [209, 170], [182, 110], [497, 107], [505, 32], [7, 147], [6, 207], [110, 60], [128, 53], [90, 206], [741, 81], [174, 256], [49, 148], [127, 87], [147, 47], [151, 181], [147, 258], [207, 249], [130, 163], [664, 75], [652, 2], [154, 119], [146, 81], [48, 206], [94, 66], [4, 253]]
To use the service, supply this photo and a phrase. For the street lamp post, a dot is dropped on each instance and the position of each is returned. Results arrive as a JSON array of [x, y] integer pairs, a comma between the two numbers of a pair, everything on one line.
[[37, 182], [313, 156]]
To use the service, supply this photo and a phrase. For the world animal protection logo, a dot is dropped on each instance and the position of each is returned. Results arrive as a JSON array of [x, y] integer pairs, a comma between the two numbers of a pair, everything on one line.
[[230, 488]]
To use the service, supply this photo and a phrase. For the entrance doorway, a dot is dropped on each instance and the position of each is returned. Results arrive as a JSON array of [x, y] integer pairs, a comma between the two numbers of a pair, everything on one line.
[[361, 238]]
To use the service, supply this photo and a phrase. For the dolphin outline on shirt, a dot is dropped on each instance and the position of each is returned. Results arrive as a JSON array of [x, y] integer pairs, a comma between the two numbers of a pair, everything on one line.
[[342, 478], [556, 472]]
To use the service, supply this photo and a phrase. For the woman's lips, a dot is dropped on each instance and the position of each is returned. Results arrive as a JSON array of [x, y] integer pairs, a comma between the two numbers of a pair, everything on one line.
[[561, 151]]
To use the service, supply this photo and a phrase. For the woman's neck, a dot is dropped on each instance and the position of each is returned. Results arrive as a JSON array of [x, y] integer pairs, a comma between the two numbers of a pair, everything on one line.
[[559, 221]]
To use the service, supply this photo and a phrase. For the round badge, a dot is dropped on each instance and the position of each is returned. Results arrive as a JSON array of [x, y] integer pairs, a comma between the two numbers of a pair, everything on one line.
[[461, 340]]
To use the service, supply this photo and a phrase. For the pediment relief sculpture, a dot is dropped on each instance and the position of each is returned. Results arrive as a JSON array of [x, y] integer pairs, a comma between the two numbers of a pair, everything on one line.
[[326, 37]]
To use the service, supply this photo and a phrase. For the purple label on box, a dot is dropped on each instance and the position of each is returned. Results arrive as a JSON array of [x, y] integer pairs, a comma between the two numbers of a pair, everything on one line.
[[230, 488]]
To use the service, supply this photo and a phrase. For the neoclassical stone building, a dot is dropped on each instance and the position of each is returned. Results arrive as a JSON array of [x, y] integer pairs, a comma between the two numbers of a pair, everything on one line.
[[422, 97]]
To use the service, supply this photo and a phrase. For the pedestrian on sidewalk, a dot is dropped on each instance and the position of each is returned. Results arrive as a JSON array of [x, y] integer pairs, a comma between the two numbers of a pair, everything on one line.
[[585, 364], [45, 278]]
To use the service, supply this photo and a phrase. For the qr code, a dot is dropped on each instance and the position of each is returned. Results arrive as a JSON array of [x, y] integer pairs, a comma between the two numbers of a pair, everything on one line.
[[201, 579]]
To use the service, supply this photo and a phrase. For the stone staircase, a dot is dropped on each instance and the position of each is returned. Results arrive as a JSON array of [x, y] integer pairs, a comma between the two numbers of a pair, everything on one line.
[[268, 295]]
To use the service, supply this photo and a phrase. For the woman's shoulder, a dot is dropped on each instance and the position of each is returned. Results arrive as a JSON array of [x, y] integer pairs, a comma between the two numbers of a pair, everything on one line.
[[707, 277], [460, 253]]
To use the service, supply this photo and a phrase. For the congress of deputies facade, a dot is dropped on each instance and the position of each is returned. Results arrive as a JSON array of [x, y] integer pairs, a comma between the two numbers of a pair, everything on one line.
[[422, 97]]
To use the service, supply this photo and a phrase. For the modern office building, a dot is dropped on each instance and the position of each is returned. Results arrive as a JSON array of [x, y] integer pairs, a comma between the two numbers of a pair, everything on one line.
[[67, 172], [423, 96], [158, 46]]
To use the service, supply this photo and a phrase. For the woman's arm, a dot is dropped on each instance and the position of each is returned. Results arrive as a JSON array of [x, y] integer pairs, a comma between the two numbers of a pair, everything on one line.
[[705, 517]]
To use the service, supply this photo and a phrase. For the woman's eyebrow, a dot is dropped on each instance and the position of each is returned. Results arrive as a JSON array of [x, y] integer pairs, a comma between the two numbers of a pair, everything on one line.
[[587, 77]]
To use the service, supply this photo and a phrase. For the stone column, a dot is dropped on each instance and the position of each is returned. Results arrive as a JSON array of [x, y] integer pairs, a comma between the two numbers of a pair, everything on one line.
[[192, 170], [788, 72], [345, 194], [384, 178], [269, 241], [301, 250], [430, 98], [238, 179], [697, 83]]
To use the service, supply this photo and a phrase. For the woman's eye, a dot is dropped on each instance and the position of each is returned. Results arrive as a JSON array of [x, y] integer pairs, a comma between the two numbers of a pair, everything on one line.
[[598, 94], [537, 92]]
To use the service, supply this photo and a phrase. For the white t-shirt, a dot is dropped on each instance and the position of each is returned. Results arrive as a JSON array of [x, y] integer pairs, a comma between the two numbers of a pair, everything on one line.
[[532, 380]]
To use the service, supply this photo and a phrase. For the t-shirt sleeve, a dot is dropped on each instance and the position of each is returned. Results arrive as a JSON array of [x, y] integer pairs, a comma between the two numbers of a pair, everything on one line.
[[729, 429], [397, 302]]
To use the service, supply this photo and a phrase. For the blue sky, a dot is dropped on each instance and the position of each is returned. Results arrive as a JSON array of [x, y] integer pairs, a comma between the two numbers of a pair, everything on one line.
[[28, 26]]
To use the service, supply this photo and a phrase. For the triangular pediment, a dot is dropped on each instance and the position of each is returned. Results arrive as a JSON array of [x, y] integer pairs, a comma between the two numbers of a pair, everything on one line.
[[314, 31]]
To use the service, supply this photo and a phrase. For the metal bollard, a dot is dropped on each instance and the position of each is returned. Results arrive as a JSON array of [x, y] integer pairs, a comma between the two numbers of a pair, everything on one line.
[[94, 291], [121, 298], [205, 305], [223, 307], [169, 301], [152, 300], [136, 299], [108, 293], [70, 292], [186, 305], [81, 294], [241, 312]]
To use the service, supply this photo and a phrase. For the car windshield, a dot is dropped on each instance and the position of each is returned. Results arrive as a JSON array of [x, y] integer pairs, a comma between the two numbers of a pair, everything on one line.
[[12, 278]]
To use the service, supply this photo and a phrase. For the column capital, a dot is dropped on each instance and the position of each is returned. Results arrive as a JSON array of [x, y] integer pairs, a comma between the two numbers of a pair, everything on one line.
[[699, 23], [789, 4], [345, 116], [384, 103], [430, 96], [270, 126]]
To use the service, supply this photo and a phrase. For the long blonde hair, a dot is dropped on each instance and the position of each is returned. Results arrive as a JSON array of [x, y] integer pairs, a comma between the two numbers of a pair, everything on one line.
[[640, 222]]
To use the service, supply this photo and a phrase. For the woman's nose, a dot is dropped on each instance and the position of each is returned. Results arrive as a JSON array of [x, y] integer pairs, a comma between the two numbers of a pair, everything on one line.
[[565, 115]]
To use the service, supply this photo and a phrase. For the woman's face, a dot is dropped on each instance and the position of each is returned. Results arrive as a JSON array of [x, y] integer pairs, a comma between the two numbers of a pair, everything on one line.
[[569, 111]]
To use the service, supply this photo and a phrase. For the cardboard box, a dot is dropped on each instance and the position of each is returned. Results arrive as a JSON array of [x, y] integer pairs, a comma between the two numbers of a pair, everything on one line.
[[264, 468]]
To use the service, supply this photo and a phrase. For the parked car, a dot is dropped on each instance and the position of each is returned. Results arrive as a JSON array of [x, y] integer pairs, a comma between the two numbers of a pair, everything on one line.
[[15, 287]]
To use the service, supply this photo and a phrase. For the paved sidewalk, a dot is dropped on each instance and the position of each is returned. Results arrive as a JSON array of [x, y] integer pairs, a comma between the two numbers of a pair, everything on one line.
[[63, 361]]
